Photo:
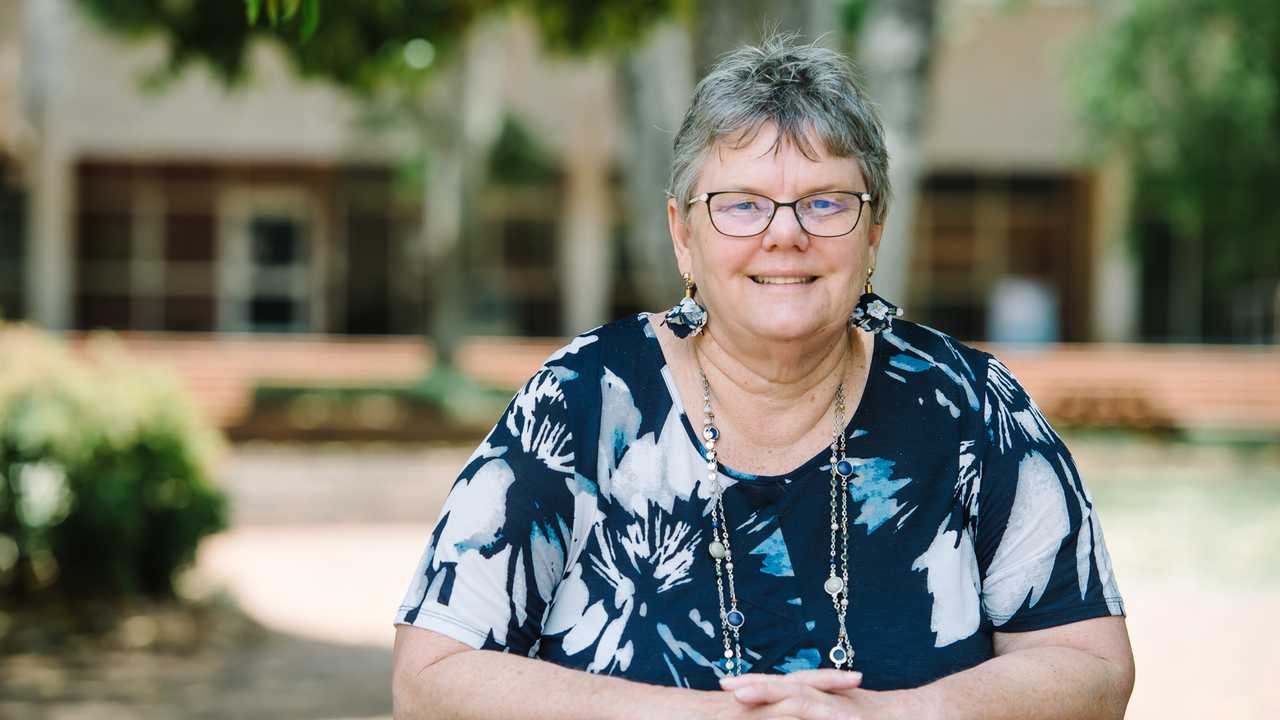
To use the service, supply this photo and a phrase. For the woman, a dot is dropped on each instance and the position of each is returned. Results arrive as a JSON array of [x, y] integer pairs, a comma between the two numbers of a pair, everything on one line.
[[777, 500]]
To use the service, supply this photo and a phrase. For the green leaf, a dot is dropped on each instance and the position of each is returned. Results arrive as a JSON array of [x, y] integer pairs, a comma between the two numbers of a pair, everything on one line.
[[310, 18], [252, 8]]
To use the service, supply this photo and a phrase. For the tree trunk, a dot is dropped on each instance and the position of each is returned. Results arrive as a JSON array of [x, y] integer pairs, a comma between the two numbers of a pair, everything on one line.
[[656, 81], [464, 123], [895, 50]]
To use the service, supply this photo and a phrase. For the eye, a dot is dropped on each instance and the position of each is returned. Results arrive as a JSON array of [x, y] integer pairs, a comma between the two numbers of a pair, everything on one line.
[[744, 205], [821, 204]]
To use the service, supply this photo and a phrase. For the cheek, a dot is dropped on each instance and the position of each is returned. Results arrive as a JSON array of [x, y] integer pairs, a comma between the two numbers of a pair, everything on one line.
[[713, 257]]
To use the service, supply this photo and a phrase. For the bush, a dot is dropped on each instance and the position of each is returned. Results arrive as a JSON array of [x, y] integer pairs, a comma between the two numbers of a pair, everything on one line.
[[104, 472]]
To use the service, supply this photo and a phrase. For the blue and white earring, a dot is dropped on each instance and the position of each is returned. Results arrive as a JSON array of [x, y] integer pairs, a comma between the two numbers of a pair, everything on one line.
[[873, 313], [687, 317]]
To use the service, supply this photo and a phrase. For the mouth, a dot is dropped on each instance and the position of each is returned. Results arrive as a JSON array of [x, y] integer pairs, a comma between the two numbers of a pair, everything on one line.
[[783, 279]]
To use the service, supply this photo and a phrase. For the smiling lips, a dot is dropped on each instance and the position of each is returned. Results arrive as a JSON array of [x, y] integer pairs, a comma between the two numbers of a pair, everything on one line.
[[783, 279]]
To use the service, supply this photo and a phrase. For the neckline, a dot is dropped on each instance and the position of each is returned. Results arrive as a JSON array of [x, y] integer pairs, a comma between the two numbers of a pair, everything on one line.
[[817, 462]]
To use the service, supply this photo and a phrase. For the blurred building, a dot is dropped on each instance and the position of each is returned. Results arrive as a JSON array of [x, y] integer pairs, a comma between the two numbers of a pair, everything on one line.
[[266, 208]]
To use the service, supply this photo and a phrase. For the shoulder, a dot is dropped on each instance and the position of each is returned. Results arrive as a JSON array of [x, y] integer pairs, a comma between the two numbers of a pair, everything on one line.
[[587, 354], [916, 352], [616, 351]]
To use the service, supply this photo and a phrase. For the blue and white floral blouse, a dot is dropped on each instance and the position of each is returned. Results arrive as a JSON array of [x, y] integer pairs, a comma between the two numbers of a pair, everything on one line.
[[577, 532]]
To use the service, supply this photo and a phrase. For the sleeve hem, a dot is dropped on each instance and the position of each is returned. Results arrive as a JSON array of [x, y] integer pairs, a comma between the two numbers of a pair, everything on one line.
[[1054, 618], [443, 624]]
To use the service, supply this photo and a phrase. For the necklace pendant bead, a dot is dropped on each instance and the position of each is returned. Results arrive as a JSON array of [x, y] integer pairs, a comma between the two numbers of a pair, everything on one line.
[[844, 468], [716, 548], [833, 585], [839, 656], [735, 618], [710, 433]]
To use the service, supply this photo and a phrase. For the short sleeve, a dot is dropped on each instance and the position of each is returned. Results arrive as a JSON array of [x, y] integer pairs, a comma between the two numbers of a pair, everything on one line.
[[498, 550], [1041, 554]]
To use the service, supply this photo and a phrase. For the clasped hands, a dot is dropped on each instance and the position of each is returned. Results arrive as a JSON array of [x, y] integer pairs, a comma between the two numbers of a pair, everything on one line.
[[816, 695]]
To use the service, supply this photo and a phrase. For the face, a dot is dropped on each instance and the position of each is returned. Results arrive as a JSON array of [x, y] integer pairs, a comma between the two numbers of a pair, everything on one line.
[[743, 281]]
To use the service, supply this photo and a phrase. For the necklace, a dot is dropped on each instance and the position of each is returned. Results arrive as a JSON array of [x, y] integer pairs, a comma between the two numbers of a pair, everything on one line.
[[837, 583]]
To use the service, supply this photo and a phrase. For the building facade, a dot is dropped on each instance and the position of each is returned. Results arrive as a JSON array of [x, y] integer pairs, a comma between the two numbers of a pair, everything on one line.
[[266, 207]]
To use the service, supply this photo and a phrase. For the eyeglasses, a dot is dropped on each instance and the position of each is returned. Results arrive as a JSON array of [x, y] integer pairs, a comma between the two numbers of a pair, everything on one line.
[[822, 214]]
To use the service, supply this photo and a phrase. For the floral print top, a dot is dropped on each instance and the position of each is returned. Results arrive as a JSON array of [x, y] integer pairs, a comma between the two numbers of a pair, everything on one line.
[[578, 531]]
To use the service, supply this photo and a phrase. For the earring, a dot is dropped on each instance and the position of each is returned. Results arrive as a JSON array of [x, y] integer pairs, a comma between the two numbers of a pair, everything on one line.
[[687, 317], [873, 313]]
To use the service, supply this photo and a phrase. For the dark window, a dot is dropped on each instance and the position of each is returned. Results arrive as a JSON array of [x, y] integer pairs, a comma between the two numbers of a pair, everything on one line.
[[112, 313], [189, 237], [13, 238], [368, 282], [276, 241], [189, 314], [273, 313]]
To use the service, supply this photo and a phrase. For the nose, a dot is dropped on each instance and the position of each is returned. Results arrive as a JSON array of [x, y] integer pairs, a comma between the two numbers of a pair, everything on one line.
[[785, 230]]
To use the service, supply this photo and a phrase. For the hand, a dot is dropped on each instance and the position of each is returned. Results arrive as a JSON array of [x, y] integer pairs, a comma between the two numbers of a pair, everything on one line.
[[818, 695]]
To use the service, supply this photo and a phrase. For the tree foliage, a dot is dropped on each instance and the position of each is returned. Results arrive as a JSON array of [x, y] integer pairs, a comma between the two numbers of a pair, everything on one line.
[[360, 44], [1189, 92]]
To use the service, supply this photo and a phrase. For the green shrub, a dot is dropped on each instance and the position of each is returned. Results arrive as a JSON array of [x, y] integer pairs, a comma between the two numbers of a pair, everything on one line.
[[105, 470]]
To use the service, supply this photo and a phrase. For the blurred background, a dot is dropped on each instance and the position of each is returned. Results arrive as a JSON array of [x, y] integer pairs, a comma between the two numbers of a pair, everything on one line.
[[270, 268]]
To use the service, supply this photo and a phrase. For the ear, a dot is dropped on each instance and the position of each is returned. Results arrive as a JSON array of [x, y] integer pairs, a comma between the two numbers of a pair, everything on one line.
[[874, 231], [679, 236]]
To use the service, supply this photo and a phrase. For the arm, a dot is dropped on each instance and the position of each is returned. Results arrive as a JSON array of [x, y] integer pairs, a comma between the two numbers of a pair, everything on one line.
[[1080, 671], [1043, 562], [437, 677]]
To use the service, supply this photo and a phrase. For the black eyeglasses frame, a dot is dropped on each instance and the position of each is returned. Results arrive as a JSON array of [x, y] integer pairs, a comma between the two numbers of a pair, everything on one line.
[[864, 199]]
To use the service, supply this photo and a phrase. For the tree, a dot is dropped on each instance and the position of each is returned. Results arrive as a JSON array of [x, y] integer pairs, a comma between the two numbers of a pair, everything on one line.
[[1188, 93], [409, 58]]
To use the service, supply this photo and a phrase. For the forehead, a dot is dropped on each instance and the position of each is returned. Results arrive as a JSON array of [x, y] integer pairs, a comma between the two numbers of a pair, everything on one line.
[[768, 159]]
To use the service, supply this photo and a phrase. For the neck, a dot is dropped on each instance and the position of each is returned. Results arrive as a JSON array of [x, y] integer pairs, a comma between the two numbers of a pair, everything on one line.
[[772, 378]]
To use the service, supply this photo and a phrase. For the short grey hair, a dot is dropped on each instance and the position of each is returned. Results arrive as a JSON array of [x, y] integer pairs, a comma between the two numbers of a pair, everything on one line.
[[808, 92]]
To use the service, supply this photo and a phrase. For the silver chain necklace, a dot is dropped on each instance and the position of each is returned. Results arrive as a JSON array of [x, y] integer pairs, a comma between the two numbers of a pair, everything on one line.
[[837, 584]]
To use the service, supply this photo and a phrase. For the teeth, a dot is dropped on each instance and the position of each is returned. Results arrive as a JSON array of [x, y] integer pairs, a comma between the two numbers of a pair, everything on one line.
[[781, 280]]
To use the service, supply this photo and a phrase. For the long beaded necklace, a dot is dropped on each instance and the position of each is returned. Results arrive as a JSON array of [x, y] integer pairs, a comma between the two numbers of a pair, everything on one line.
[[837, 584]]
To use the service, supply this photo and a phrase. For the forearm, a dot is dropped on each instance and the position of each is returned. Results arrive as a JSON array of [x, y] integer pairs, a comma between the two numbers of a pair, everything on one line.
[[1043, 683], [478, 685]]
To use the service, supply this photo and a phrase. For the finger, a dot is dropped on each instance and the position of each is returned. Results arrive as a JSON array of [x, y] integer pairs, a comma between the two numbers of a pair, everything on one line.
[[808, 704], [729, 682], [768, 693], [825, 679]]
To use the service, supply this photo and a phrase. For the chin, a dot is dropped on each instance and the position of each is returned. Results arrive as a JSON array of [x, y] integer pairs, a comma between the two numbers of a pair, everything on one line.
[[784, 326]]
